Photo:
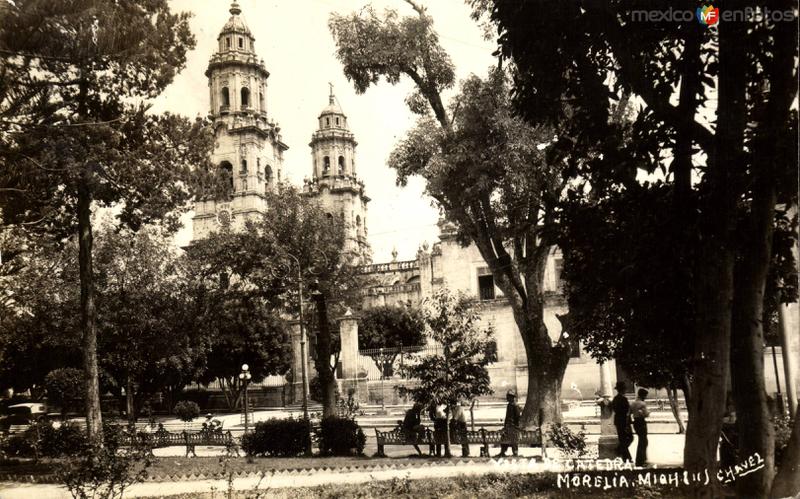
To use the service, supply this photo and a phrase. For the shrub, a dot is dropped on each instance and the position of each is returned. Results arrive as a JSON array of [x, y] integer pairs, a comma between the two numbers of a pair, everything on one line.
[[19, 445], [46, 441], [187, 410], [349, 408], [64, 387], [106, 472], [572, 444], [341, 437], [278, 437], [66, 440]]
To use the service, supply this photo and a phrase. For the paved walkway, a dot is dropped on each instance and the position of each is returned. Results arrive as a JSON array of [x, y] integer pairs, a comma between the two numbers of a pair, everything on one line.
[[664, 451]]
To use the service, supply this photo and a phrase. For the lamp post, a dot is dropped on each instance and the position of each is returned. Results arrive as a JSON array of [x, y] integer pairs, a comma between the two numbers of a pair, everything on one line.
[[383, 373], [245, 377], [303, 352]]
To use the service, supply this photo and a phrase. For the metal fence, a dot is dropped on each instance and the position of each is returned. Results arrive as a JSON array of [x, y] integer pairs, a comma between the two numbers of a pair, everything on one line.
[[388, 363], [268, 382]]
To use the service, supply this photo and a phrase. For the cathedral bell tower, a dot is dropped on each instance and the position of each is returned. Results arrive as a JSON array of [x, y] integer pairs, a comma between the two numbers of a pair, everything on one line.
[[248, 148], [334, 179]]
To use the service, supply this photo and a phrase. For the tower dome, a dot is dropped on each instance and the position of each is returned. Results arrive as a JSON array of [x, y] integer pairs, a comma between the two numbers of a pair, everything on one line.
[[235, 36], [332, 115], [333, 176], [248, 148]]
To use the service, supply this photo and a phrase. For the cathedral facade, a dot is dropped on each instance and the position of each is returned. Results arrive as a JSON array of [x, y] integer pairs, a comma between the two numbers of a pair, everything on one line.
[[249, 150]]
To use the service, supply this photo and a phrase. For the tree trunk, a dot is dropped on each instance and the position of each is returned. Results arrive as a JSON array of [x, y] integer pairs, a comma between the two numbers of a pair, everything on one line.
[[323, 361], [129, 404], [755, 429], [711, 361], [94, 421], [447, 452], [672, 395], [546, 366], [787, 481], [714, 265]]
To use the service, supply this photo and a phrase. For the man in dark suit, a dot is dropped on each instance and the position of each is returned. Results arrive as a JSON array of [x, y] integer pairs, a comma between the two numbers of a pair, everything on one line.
[[511, 425], [622, 420]]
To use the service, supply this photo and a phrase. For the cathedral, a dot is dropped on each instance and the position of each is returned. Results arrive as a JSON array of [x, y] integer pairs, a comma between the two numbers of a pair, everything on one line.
[[248, 144], [249, 147]]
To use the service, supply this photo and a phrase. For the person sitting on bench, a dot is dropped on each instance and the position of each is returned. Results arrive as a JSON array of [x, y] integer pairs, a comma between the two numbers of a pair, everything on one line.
[[412, 425]]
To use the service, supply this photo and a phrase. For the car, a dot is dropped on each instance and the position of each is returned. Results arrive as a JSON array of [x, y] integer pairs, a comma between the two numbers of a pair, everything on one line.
[[22, 415]]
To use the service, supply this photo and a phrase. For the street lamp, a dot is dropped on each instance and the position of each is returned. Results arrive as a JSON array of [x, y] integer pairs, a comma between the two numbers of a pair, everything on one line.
[[383, 375], [245, 377]]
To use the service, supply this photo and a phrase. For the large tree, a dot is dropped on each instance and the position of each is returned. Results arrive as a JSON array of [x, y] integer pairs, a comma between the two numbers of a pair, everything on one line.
[[390, 327], [75, 134], [496, 178], [39, 329], [150, 338], [295, 245], [715, 115], [622, 282]]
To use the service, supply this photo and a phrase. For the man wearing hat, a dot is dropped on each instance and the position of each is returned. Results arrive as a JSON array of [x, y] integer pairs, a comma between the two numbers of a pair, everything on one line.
[[511, 425], [622, 421]]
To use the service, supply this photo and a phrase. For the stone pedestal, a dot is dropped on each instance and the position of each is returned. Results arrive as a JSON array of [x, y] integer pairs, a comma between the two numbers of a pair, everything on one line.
[[348, 334], [608, 442], [296, 393]]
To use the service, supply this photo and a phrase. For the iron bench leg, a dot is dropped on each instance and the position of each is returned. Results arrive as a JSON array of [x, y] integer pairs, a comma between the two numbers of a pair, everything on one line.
[[380, 441]]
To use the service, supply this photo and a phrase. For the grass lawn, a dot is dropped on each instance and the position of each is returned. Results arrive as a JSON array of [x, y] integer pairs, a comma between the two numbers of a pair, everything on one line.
[[491, 486]]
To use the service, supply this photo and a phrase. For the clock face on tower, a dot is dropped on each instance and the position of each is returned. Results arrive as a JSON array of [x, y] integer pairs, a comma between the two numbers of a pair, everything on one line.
[[224, 218]]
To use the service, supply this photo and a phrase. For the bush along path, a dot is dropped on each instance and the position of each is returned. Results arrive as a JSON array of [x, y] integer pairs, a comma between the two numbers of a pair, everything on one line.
[[489, 476]]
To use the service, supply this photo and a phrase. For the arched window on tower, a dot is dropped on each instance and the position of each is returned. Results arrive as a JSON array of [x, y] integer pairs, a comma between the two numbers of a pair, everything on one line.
[[341, 165], [244, 166], [226, 172], [226, 98], [241, 43], [227, 42], [327, 122], [268, 174], [245, 97], [337, 121], [261, 100], [326, 165]]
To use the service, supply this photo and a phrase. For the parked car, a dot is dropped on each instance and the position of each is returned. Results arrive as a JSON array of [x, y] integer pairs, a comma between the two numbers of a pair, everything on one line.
[[22, 414]]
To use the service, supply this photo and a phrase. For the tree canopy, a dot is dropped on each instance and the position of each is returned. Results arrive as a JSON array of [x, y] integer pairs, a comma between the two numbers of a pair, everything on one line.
[[715, 120], [458, 373], [75, 133], [495, 177]]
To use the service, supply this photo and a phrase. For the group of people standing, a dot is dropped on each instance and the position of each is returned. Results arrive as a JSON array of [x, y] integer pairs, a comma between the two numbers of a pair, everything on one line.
[[414, 431], [629, 417], [623, 412]]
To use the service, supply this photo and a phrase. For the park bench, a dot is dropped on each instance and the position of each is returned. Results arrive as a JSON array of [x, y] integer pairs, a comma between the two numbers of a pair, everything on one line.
[[163, 438], [525, 438], [399, 437], [483, 437]]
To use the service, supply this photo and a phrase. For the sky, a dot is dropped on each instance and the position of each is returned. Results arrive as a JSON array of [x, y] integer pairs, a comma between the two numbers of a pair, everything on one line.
[[292, 37]]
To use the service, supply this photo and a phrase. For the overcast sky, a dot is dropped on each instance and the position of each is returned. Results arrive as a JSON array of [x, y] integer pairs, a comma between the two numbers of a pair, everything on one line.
[[293, 39]]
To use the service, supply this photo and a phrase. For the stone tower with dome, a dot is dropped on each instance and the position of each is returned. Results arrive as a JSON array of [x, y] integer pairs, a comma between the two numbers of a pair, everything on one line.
[[333, 176], [248, 148]]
